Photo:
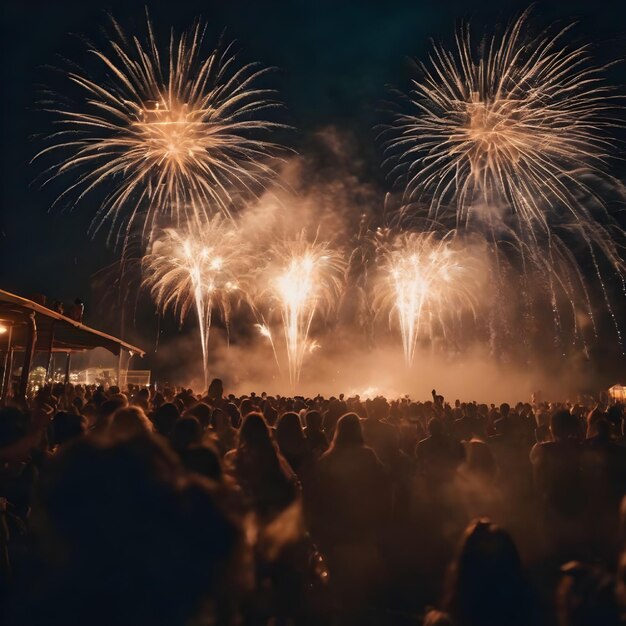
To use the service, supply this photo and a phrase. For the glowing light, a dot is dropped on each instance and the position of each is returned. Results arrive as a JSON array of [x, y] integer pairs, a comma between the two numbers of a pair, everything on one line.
[[425, 284], [304, 279], [169, 133], [201, 268], [509, 138], [3, 329]]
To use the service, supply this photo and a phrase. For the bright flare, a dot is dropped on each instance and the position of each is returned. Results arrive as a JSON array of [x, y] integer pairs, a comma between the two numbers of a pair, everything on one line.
[[304, 279], [167, 133], [426, 283], [509, 138], [201, 269]]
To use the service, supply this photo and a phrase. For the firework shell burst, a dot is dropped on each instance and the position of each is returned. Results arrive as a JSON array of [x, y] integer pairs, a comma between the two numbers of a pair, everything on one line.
[[204, 269], [510, 139], [425, 283], [303, 278], [513, 122], [166, 134]]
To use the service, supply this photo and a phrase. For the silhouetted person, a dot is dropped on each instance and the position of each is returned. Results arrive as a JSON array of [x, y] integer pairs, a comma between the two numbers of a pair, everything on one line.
[[186, 432], [486, 585], [314, 434], [126, 538], [224, 432], [292, 443], [352, 507], [438, 456], [164, 418], [557, 470], [264, 476]]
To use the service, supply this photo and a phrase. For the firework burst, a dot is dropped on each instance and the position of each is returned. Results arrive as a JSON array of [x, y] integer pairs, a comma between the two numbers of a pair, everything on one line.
[[162, 132], [425, 283], [201, 269], [304, 279], [509, 139], [511, 123]]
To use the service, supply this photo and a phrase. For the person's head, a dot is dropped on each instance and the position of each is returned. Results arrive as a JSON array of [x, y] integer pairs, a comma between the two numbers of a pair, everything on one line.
[[378, 409], [594, 420], [129, 421], [186, 431], [486, 585], [216, 389], [67, 426], [108, 407], [289, 435], [246, 406], [165, 417], [158, 399], [505, 409], [586, 596], [202, 412], [349, 432], [142, 397], [564, 425], [254, 433], [435, 427], [234, 414], [219, 420], [95, 494], [203, 459], [479, 458], [313, 421]]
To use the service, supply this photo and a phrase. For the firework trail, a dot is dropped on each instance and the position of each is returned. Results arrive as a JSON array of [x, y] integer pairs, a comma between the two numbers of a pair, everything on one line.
[[425, 283], [304, 279], [164, 133], [202, 269], [509, 138]]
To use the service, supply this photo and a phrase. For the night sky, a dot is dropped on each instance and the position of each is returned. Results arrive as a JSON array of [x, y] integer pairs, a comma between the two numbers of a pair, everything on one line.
[[337, 60]]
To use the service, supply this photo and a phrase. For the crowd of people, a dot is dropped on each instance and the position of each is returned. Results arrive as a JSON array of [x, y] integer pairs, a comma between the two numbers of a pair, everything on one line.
[[168, 507]]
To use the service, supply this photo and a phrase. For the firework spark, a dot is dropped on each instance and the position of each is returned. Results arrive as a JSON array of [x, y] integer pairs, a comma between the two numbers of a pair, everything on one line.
[[304, 279], [510, 124], [426, 282], [510, 139], [202, 269], [167, 133]]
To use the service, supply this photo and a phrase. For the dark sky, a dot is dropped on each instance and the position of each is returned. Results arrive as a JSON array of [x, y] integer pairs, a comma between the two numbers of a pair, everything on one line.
[[337, 59]]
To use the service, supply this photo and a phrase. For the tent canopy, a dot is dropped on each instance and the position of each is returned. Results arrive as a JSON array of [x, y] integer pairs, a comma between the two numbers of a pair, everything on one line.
[[54, 332]]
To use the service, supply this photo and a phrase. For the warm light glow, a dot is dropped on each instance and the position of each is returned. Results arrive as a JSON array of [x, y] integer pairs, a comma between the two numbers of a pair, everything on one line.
[[199, 268], [304, 278], [170, 134], [426, 284], [3, 329], [507, 136]]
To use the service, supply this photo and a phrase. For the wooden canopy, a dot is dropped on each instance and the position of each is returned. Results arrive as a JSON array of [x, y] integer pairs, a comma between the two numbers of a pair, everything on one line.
[[54, 332], [29, 327]]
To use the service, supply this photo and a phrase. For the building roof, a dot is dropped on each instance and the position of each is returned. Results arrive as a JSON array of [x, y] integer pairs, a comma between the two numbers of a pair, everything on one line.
[[68, 335]]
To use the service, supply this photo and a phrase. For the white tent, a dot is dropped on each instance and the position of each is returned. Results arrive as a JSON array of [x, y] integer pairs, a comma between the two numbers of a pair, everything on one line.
[[617, 393]]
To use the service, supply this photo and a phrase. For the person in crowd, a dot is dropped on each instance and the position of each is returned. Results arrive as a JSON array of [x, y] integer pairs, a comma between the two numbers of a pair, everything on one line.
[[315, 436], [225, 432], [265, 477], [170, 506], [487, 585], [353, 484], [187, 431], [293, 445], [164, 418]]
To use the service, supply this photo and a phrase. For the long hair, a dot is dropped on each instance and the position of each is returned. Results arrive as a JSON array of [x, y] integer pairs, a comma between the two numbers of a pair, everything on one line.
[[486, 585], [348, 433]]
